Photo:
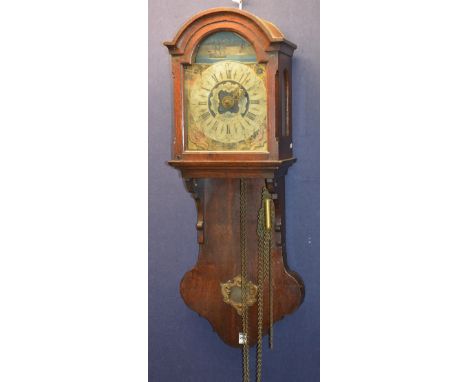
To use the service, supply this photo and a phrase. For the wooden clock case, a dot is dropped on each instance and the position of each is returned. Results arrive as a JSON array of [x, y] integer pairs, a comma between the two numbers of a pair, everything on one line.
[[213, 179]]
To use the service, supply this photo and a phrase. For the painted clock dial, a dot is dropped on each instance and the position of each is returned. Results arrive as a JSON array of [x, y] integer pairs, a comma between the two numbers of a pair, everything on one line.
[[225, 106]]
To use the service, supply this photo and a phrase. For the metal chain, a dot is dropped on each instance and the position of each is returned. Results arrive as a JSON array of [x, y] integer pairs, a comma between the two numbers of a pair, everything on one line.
[[263, 271], [244, 279], [260, 280], [266, 254], [269, 265], [270, 287]]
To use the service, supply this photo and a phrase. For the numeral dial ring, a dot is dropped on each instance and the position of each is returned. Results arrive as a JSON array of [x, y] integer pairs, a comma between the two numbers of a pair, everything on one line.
[[229, 102]]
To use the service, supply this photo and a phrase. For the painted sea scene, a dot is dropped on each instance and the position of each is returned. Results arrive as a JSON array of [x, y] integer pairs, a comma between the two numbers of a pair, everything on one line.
[[222, 46]]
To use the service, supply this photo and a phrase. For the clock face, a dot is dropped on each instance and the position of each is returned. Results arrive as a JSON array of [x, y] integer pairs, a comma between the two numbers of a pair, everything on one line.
[[225, 106]]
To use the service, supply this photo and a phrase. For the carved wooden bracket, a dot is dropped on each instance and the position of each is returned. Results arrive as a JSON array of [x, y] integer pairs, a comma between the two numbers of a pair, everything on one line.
[[275, 187], [195, 187]]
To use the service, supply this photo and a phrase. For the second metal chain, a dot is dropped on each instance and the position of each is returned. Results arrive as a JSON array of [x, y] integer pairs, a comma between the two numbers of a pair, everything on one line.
[[264, 271], [265, 217], [244, 279]]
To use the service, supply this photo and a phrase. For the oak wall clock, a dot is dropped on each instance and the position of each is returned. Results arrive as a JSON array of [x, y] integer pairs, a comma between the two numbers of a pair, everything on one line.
[[232, 143]]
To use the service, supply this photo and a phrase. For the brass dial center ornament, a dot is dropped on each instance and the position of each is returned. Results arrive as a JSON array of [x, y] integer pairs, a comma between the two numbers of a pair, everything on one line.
[[227, 102], [227, 99]]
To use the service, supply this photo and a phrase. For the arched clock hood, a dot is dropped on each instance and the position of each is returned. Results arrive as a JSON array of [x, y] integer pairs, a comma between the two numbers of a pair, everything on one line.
[[272, 50]]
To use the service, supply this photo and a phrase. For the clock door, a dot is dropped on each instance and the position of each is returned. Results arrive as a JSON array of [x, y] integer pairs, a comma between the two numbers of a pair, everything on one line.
[[225, 97]]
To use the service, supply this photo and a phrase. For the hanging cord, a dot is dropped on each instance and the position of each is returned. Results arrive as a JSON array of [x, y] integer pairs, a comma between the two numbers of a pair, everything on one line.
[[244, 279]]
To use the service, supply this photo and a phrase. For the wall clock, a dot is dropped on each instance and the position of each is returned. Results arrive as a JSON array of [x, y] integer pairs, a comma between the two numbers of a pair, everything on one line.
[[232, 143]]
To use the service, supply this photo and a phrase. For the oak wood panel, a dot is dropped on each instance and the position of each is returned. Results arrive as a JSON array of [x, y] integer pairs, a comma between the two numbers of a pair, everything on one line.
[[219, 260]]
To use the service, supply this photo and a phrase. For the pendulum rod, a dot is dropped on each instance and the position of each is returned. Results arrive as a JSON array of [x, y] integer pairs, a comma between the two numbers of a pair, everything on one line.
[[244, 280]]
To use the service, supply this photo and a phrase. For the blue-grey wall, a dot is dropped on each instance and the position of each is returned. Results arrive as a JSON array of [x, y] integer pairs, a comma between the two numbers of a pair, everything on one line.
[[182, 346]]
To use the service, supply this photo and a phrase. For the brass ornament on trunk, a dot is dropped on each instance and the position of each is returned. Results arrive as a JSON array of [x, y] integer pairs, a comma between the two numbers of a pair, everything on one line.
[[232, 293]]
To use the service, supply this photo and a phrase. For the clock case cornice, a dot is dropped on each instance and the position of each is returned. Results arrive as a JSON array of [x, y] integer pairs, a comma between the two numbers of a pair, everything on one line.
[[267, 169], [272, 49], [211, 19]]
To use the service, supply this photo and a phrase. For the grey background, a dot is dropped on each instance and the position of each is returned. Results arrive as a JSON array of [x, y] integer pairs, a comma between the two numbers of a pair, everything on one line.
[[182, 346]]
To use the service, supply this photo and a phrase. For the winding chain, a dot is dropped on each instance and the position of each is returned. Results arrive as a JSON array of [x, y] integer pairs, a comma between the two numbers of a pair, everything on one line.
[[264, 271], [244, 279]]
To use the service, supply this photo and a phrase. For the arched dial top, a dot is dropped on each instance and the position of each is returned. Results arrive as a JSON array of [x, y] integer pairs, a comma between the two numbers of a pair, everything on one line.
[[225, 106]]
